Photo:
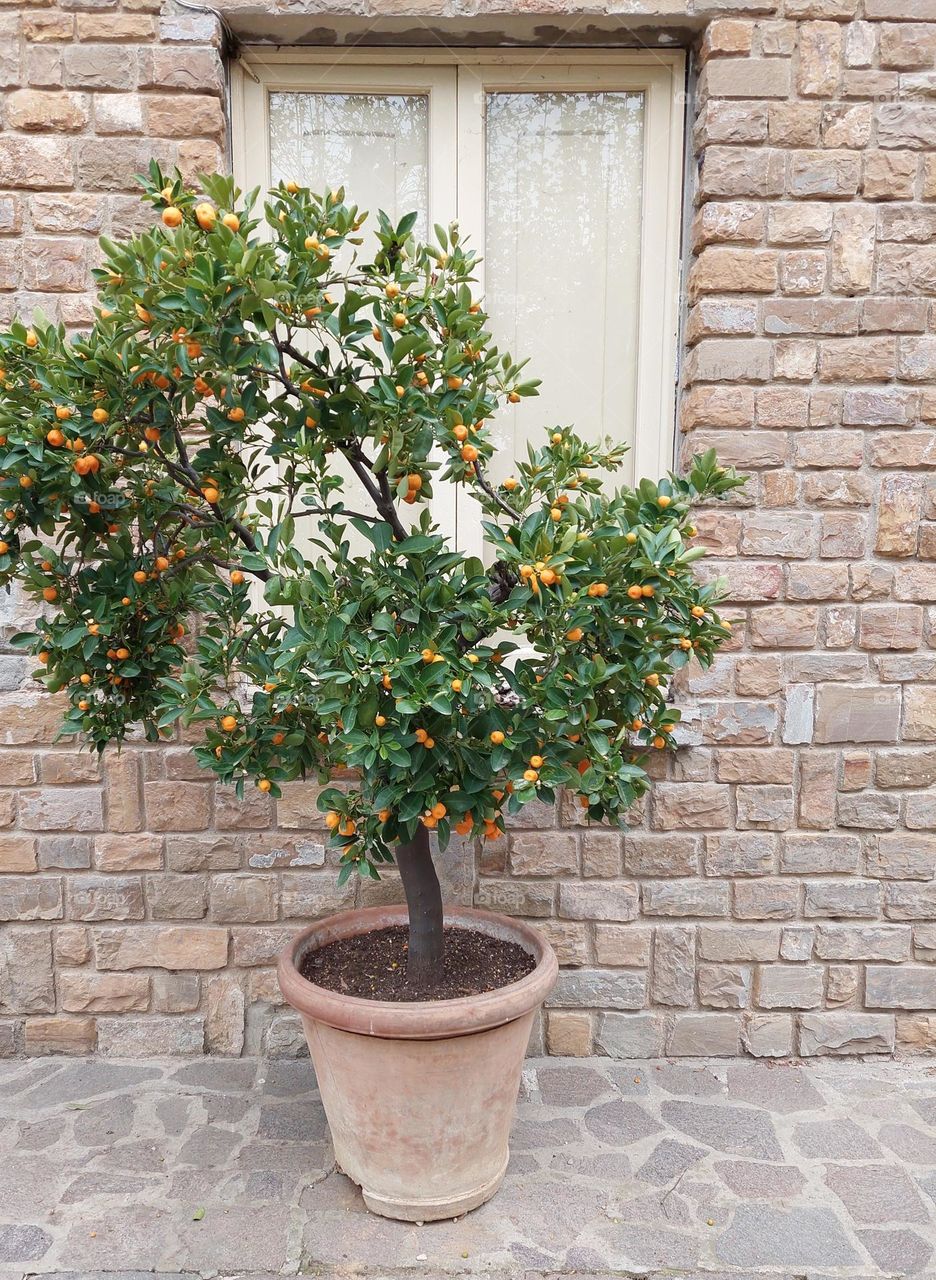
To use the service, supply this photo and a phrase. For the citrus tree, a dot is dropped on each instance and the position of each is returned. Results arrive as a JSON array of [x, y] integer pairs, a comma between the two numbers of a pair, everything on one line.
[[174, 489]]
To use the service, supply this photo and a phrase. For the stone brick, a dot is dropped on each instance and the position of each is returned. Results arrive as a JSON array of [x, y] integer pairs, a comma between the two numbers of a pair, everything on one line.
[[37, 163], [71, 944], [676, 806], [90, 66], [544, 853], [122, 786], [842, 898], [825, 174], [630, 1035], [871, 810], [26, 981], [685, 898], [607, 900], [904, 855], [177, 806], [823, 1034], [704, 1035], [740, 854], [105, 898], [919, 712], [888, 175], [898, 515], [127, 852], [569, 1033], [601, 854], [769, 808], [820, 54], [795, 986], [515, 897], [241, 898], [673, 975], [160, 947], [177, 897], [599, 989], [17, 853], [784, 627], [903, 987], [202, 853], [60, 1035], [53, 809], [808, 854], [724, 986], [852, 248], [127, 1037], [30, 897], [620, 945], [767, 899], [82, 992], [201, 116], [863, 942], [857, 713]]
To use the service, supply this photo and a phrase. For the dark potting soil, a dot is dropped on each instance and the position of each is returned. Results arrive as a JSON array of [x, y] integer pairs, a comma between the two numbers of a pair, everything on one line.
[[373, 965]]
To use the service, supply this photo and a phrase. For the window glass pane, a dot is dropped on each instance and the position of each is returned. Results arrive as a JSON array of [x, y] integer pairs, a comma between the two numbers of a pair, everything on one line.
[[562, 257], [374, 144]]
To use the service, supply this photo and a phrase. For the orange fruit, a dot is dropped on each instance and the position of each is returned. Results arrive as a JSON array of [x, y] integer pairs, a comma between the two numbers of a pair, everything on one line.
[[4, 548], [453, 382], [123, 654], [55, 438], [663, 500], [456, 686], [25, 482], [139, 576], [100, 415], [332, 819], [659, 742], [537, 762], [205, 216], [531, 775], [228, 723], [62, 412], [380, 721], [236, 577], [575, 634], [232, 222], [49, 594], [497, 737], [84, 678], [43, 656], [31, 339], [439, 810], [469, 453], [634, 592], [698, 611], [384, 815], [399, 320], [264, 784], [210, 494], [460, 432], [172, 217]]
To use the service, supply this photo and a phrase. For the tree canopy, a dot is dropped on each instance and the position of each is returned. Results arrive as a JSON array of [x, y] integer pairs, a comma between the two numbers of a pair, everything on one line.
[[174, 488]]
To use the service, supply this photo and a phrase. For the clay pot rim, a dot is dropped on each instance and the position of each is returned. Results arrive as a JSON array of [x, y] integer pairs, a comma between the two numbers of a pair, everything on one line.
[[417, 1019]]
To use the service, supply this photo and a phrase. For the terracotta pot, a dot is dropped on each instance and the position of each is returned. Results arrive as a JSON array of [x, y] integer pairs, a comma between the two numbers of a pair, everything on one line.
[[419, 1096]]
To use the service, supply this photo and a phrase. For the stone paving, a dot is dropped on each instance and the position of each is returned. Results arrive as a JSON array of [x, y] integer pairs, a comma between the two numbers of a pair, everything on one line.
[[687, 1169]]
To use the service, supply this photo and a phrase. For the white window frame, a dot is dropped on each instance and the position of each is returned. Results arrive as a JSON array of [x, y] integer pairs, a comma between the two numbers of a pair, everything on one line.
[[456, 82]]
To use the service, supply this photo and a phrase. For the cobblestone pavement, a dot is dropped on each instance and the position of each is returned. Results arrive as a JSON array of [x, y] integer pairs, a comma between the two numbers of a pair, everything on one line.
[[676, 1169]]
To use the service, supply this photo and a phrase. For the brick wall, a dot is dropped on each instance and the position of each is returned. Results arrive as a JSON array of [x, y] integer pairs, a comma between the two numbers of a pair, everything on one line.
[[777, 893]]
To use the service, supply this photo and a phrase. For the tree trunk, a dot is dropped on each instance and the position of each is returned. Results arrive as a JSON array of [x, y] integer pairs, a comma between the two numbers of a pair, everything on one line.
[[424, 902]]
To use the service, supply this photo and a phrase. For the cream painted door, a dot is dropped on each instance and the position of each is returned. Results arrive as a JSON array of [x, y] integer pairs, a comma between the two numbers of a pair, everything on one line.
[[564, 169]]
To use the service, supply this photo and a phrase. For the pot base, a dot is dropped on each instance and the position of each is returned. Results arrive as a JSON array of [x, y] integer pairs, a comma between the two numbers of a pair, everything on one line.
[[433, 1209]]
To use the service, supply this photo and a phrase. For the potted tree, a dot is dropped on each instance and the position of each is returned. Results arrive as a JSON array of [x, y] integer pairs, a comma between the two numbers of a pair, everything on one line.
[[223, 496]]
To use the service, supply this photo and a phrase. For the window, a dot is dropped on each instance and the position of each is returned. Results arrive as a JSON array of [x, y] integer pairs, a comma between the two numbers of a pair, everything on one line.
[[564, 168]]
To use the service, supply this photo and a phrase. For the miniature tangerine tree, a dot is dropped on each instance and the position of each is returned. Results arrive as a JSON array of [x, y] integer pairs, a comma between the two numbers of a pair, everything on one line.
[[154, 466]]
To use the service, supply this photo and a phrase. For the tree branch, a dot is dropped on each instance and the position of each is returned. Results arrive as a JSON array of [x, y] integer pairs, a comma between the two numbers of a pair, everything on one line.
[[493, 495]]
